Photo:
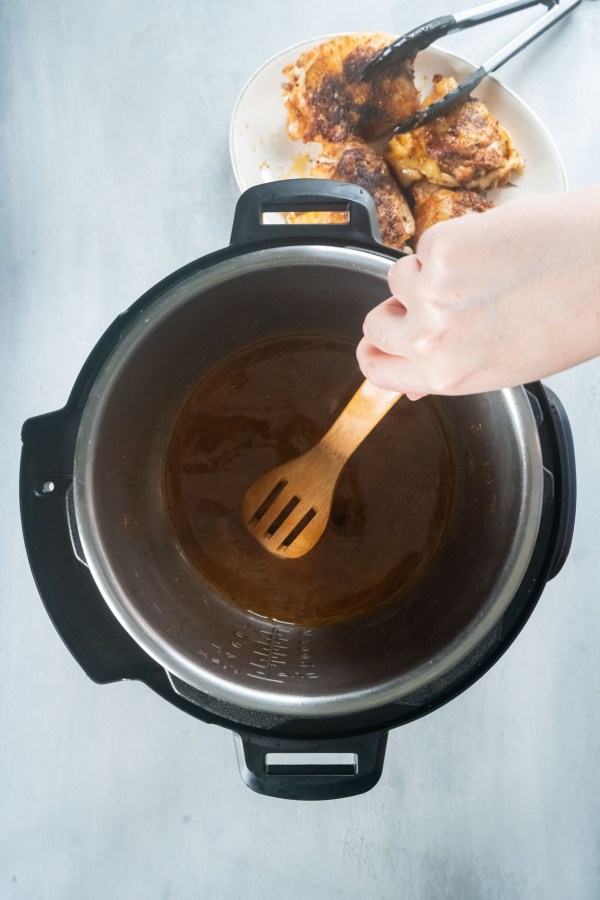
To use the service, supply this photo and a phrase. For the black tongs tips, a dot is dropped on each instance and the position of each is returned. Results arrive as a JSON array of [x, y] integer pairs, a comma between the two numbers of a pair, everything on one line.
[[407, 46]]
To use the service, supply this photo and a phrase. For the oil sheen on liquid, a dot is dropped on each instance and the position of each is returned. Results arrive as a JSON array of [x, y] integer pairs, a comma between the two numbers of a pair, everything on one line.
[[266, 404]]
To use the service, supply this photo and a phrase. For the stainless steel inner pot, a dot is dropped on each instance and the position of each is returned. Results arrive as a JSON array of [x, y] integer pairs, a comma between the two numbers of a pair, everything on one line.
[[179, 618]]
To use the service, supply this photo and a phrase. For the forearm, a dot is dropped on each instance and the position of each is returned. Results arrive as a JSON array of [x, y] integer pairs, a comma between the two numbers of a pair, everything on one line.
[[579, 288], [558, 297]]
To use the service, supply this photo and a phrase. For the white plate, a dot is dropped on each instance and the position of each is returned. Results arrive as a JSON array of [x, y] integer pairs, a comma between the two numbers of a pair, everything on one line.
[[261, 150]]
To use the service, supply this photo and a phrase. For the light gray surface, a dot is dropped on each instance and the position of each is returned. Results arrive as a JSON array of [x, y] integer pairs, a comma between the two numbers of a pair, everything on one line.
[[114, 172]]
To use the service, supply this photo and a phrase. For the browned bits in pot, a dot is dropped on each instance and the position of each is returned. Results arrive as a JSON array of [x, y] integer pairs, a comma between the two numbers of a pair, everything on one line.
[[267, 404]]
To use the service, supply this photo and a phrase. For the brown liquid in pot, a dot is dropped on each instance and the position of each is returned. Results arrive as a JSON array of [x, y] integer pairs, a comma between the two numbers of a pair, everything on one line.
[[266, 404]]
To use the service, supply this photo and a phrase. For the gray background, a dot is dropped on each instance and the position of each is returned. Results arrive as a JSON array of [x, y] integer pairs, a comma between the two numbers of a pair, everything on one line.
[[115, 171]]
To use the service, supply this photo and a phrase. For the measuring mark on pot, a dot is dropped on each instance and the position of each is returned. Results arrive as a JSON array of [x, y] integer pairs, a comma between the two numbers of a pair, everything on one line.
[[271, 655], [226, 657], [306, 667], [275, 650]]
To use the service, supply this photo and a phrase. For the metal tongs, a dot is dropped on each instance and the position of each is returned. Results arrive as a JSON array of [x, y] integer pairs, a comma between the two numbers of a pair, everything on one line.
[[409, 45]]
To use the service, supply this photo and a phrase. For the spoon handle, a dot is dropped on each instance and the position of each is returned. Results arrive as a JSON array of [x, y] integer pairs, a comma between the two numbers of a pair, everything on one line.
[[366, 408]]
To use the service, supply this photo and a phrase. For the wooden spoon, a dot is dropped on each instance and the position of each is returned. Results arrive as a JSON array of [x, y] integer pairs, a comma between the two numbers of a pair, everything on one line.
[[287, 509]]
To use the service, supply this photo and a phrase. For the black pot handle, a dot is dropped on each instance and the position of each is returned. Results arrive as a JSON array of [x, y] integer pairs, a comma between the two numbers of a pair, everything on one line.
[[345, 766], [565, 483], [100, 645], [304, 195]]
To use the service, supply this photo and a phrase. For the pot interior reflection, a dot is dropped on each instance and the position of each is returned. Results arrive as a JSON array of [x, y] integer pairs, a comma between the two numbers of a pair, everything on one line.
[[267, 404]]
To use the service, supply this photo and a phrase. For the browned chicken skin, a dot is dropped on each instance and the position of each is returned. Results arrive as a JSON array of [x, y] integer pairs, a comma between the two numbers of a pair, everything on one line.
[[359, 164], [468, 147], [447, 164], [438, 204], [326, 100]]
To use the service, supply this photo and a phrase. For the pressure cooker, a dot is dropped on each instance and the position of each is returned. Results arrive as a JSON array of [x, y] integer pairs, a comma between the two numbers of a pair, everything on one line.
[[310, 708]]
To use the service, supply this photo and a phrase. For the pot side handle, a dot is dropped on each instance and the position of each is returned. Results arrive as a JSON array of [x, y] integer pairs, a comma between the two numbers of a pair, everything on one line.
[[90, 631], [565, 479], [303, 195], [310, 769]]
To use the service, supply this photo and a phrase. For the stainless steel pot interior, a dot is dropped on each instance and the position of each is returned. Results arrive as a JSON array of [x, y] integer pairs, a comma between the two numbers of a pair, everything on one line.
[[178, 617]]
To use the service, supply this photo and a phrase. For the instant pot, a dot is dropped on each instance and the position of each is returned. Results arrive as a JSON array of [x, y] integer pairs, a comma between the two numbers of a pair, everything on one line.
[[310, 707]]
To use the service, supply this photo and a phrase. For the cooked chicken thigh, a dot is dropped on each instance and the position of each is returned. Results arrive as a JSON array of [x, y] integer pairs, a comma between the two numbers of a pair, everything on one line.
[[468, 147], [359, 164], [437, 204], [326, 100]]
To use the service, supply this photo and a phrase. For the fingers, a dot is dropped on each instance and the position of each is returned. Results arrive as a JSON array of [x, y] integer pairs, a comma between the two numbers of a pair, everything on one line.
[[391, 373], [385, 326], [403, 278], [383, 353]]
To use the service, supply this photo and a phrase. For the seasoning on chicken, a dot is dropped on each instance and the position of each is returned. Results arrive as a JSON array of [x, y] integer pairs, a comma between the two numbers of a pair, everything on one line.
[[359, 164], [437, 204], [326, 100], [468, 147]]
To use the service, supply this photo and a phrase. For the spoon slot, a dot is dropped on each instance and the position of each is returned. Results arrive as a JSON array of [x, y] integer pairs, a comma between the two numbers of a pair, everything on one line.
[[264, 506], [280, 519], [296, 530]]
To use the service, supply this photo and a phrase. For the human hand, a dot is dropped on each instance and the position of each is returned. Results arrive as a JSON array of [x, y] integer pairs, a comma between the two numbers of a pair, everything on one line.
[[491, 300]]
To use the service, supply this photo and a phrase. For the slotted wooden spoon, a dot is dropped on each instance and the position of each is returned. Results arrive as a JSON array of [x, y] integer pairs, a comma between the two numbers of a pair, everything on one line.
[[287, 509]]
